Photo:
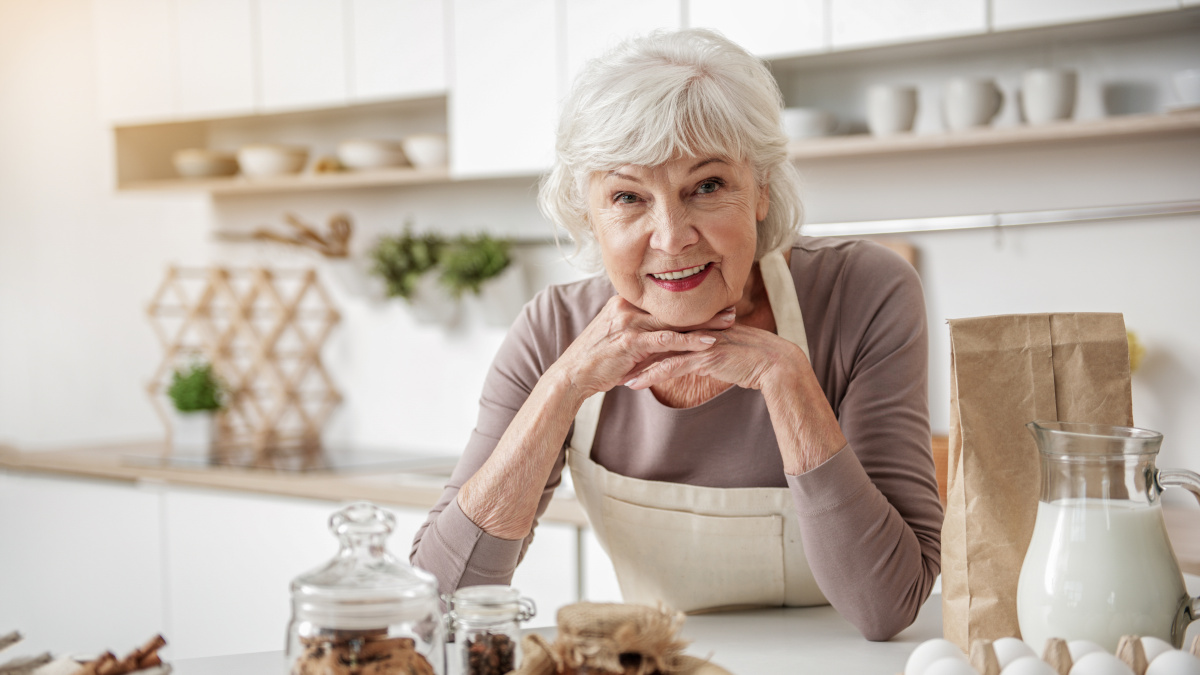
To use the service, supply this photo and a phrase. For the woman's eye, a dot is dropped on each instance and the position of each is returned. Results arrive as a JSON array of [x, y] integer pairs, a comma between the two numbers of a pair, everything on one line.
[[708, 186], [625, 198]]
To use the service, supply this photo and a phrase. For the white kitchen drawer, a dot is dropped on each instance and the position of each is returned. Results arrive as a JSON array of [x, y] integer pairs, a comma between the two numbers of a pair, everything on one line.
[[864, 23], [1009, 14], [766, 27]]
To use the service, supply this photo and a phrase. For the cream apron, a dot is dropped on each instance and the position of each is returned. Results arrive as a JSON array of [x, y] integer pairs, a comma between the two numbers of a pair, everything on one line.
[[699, 548]]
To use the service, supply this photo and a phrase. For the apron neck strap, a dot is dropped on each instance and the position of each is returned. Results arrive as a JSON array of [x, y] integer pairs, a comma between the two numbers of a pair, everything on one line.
[[781, 293]]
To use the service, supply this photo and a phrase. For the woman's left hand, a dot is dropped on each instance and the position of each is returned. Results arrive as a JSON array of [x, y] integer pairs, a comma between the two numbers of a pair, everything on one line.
[[750, 358]]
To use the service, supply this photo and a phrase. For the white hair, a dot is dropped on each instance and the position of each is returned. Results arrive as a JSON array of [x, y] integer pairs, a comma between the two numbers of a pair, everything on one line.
[[687, 93]]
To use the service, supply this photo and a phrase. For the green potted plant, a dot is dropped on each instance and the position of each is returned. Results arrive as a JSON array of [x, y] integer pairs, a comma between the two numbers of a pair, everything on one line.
[[196, 394], [483, 266], [405, 262]]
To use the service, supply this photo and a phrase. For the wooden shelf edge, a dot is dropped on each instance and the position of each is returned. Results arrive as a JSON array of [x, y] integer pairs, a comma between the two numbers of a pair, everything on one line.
[[326, 181], [861, 145]]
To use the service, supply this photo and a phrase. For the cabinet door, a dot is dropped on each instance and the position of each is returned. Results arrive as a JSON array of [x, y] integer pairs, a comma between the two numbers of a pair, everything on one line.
[[1008, 14], [136, 59], [504, 98], [765, 27], [593, 27], [80, 564], [215, 40], [861, 23], [302, 52], [230, 560], [397, 48]]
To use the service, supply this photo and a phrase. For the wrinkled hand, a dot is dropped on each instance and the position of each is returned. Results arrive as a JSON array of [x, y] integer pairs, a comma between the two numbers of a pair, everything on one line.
[[748, 357], [623, 340]]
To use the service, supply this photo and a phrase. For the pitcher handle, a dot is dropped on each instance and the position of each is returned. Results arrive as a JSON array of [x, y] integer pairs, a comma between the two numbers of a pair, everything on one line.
[[1189, 608], [1188, 480]]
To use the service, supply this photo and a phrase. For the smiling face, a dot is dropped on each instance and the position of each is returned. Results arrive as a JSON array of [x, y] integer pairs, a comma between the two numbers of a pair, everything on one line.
[[678, 239]]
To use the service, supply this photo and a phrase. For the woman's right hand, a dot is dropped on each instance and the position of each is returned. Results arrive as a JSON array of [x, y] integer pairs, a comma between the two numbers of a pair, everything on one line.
[[622, 340]]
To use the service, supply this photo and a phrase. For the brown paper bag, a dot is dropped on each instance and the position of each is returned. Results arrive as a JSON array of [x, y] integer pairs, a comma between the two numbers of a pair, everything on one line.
[[1006, 371]]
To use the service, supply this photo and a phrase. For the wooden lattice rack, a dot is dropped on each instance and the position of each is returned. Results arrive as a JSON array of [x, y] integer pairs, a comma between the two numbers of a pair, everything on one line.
[[262, 330]]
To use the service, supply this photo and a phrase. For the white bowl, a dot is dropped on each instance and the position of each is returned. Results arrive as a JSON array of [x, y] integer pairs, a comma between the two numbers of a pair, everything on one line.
[[367, 154], [271, 160], [426, 151], [201, 163]]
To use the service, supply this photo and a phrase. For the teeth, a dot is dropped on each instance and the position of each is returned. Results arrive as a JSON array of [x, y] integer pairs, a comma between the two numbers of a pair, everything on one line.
[[681, 274]]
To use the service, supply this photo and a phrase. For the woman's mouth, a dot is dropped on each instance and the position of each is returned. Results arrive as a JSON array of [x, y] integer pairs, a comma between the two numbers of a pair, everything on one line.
[[681, 280]]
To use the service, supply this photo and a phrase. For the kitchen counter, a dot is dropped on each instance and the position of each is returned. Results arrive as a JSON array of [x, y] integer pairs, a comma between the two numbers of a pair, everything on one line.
[[755, 642], [135, 463]]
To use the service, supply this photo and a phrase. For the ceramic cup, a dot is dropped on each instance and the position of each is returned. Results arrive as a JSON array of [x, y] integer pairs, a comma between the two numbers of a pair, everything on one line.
[[1048, 94], [1187, 87], [970, 102], [808, 122], [891, 109]]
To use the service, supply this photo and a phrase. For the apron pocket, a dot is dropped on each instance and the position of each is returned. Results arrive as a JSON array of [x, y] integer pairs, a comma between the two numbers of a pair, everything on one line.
[[693, 562]]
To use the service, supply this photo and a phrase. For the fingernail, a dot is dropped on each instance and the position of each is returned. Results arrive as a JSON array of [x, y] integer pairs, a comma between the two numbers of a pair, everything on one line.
[[728, 316], [631, 382], [708, 339]]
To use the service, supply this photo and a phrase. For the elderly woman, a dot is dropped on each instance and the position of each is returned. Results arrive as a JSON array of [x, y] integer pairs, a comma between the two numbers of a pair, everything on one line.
[[743, 411]]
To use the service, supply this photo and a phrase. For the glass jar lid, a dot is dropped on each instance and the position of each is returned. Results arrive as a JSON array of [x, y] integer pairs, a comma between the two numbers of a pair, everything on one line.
[[486, 604], [364, 586]]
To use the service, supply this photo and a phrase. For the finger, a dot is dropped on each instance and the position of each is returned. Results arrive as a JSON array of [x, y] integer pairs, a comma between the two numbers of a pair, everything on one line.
[[666, 369]]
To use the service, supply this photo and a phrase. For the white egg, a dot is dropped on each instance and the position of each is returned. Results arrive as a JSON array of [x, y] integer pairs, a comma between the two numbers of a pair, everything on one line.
[[1100, 663], [1174, 662], [1009, 649], [950, 666], [929, 651], [1154, 646], [1028, 665], [1081, 648]]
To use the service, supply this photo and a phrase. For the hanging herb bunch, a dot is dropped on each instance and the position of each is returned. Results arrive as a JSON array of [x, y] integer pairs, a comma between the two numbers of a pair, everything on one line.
[[401, 260], [469, 262]]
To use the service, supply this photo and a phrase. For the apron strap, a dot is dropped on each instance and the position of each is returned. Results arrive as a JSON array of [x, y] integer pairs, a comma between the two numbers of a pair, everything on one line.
[[781, 293], [586, 421]]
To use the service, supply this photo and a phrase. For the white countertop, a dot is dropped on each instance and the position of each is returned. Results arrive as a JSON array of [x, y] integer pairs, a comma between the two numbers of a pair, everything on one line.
[[757, 642]]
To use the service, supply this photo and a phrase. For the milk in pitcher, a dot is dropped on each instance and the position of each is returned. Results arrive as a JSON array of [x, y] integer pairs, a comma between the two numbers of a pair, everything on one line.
[[1098, 569]]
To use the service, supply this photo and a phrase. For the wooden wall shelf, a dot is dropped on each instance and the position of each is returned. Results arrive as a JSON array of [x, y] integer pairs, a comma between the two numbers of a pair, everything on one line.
[[235, 185], [1130, 126]]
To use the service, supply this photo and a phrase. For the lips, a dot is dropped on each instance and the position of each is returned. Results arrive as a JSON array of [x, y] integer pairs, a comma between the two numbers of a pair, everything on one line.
[[683, 279]]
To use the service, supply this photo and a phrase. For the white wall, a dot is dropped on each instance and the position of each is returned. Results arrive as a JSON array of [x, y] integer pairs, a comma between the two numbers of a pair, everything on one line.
[[78, 263]]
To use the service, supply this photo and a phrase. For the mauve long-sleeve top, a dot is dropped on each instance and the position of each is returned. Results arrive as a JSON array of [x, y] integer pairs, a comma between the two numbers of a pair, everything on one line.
[[870, 519]]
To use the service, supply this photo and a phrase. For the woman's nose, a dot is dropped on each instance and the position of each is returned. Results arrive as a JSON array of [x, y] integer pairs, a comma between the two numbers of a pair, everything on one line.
[[673, 230]]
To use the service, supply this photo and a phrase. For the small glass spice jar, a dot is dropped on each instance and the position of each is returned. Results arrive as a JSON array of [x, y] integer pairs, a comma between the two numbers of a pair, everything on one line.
[[486, 621], [365, 612]]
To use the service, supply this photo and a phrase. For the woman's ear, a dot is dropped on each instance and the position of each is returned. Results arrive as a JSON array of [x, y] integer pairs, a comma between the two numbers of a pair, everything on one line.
[[764, 200]]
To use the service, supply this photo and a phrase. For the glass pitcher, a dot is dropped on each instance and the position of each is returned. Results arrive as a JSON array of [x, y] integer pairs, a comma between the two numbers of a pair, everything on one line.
[[1099, 565]]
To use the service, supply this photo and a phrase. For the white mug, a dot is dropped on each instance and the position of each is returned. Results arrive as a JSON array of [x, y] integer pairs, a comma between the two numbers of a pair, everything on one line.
[[970, 102], [1048, 94], [807, 122], [1187, 86], [891, 109]]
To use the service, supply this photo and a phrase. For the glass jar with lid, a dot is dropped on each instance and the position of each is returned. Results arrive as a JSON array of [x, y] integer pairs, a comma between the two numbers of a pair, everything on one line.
[[486, 621], [364, 612]]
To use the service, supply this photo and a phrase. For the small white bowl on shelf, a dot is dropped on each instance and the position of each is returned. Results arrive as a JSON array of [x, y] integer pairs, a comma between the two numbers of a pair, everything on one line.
[[426, 151], [263, 160], [201, 163], [360, 154]]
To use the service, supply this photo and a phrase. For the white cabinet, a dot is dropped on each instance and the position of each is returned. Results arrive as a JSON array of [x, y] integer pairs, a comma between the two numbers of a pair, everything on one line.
[[1008, 14], [397, 48], [80, 564], [549, 572], [503, 99], [863, 23], [593, 27], [302, 52], [766, 27], [217, 62], [136, 58]]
